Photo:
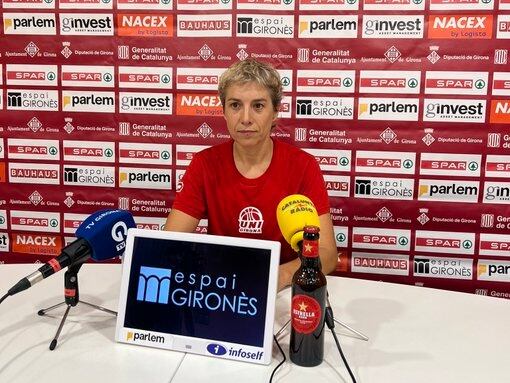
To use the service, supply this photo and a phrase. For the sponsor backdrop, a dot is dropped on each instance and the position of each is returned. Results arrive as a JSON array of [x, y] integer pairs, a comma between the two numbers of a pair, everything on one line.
[[405, 104]]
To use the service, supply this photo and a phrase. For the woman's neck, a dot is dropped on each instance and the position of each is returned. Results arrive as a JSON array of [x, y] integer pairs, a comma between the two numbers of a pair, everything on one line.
[[253, 162]]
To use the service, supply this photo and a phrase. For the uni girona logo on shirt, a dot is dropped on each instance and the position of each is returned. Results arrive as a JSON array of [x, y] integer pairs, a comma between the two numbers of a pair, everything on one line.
[[85, 4], [494, 244], [89, 151], [501, 84], [251, 220], [460, 27], [143, 153], [454, 5], [72, 221], [35, 221], [37, 244], [497, 166], [500, 111], [145, 77], [192, 5], [378, 238], [328, 5], [273, 5], [33, 24], [89, 76], [145, 25], [199, 79], [465, 83], [448, 164], [389, 81], [26, 173], [26, 74], [184, 153], [193, 104], [29, 4], [445, 242], [204, 25], [145, 4], [385, 162], [29, 149], [337, 186], [86, 24], [327, 81], [392, 5]]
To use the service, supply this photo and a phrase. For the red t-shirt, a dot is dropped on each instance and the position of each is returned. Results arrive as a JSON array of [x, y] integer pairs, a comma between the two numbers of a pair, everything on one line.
[[237, 206]]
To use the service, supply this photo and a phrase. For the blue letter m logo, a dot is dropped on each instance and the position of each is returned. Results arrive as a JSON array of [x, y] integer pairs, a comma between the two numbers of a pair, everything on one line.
[[153, 284]]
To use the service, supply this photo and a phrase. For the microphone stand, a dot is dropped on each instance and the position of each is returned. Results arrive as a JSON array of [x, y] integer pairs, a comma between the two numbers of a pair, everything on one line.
[[71, 299]]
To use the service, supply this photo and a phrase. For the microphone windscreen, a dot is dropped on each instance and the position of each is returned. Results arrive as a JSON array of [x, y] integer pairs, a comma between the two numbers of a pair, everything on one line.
[[106, 232], [293, 213]]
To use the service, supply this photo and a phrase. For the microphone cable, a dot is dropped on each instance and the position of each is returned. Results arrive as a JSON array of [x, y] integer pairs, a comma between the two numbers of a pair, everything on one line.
[[330, 321], [4, 297], [279, 364]]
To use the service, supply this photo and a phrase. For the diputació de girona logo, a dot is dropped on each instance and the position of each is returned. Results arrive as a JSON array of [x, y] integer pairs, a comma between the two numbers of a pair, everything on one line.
[[306, 314]]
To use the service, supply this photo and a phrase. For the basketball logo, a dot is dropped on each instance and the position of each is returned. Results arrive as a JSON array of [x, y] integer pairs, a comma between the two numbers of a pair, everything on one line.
[[250, 220]]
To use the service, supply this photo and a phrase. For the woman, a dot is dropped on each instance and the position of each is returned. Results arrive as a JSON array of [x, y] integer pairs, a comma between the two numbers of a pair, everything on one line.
[[238, 184]]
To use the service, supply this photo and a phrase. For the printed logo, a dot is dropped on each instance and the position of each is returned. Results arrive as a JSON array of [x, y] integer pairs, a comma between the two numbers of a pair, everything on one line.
[[494, 244], [144, 178], [251, 220], [388, 109], [216, 349], [503, 4], [379, 81], [204, 25], [145, 4], [337, 186], [450, 164], [35, 221], [392, 5], [72, 222], [384, 188], [205, 5], [3, 219], [204, 79], [145, 103], [31, 99], [450, 268], [88, 76], [326, 81], [460, 27], [332, 160], [184, 153], [4, 239], [89, 151], [28, 4], [503, 29], [145, 77], [27, 173], [448, 191], [454, 5], [273, 5], [497, 166], [37, 244], [88, 101], [145, 25], [306, 314], [85, 4], [154, 285], [469, 83], [394, 27], [377, 263], [445, 242], [29, 24], [143, 153], [86, 24], [198, 104], [501, 84], [386, 239], [500, 111], [496, 192], [150, 223], [325, 108], [496, 271], [79, 175], [265, 26], [36, 75], [30, 149], [385, 162], [452, 110], [328, 5], [328, 26], [341, 236]]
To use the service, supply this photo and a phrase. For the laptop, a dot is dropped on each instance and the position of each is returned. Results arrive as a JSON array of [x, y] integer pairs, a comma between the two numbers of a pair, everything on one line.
[[199, 293]]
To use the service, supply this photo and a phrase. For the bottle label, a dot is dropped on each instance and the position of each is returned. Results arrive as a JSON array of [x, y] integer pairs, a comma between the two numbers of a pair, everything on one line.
[[310, 248], [305, 314]]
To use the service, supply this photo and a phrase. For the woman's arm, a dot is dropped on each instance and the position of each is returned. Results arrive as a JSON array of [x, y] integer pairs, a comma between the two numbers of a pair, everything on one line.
[[182, 222]]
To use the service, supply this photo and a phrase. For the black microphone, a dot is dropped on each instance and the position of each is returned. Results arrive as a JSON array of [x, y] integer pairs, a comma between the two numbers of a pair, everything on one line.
[[101, 236]]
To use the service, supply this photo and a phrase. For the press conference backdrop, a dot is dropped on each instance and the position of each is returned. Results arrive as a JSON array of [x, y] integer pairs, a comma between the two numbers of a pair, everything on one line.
[[405, 104]]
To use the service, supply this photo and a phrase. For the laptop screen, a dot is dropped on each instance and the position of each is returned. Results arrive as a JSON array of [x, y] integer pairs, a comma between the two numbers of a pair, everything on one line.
[[203, 294]]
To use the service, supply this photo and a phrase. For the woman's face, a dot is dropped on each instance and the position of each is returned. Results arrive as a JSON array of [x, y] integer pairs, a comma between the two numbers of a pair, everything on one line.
[[249, 114]]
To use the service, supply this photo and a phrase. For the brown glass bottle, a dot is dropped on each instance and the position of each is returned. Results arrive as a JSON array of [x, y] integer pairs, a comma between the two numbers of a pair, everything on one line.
[[308, 304]]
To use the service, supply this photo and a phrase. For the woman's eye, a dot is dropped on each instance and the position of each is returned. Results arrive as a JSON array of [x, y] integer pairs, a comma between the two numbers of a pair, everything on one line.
[[259, 106]]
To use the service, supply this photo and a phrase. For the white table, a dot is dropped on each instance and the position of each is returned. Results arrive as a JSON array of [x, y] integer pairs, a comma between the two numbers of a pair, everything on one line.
[[416, 335]]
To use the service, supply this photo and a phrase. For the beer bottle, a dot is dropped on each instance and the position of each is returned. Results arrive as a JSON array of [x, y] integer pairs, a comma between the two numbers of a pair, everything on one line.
[[308, 304]]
